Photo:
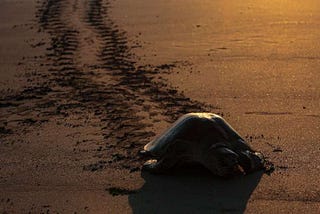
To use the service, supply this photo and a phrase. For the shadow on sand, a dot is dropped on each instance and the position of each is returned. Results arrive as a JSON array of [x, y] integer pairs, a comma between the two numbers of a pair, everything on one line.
[[184, 192]]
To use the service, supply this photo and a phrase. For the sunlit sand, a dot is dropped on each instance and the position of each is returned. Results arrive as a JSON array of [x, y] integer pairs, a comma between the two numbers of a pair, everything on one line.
[[86, 84]]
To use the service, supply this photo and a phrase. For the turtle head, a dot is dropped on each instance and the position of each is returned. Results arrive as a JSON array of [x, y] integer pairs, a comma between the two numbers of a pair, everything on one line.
[[226, 162]]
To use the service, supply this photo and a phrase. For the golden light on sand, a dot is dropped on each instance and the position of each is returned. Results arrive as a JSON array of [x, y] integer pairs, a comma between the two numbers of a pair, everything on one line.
[[85, 84]]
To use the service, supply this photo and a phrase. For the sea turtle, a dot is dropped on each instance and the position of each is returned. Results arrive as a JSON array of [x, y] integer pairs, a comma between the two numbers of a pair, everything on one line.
[[203, 138]]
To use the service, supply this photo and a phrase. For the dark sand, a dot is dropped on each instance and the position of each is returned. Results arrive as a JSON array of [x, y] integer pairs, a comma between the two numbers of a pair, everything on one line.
[[85, 84]]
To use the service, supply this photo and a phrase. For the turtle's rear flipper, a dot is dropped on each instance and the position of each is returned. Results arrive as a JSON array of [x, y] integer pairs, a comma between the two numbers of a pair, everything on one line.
[[150, 165], [176, 151], [164, 165], [145, 153]]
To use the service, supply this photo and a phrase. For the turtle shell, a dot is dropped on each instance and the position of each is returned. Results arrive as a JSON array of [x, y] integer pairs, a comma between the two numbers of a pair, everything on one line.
[[198, 128]]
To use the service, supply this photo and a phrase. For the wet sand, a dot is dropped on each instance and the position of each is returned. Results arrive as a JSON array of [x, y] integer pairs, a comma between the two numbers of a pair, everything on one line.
[[85, 84]]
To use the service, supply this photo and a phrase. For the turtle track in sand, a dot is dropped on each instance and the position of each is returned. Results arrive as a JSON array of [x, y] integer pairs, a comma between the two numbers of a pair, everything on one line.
[[125, 106], [115, 56]]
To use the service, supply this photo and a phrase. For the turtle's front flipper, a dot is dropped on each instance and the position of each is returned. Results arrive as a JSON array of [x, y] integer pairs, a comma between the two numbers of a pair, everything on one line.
[[222, 161]]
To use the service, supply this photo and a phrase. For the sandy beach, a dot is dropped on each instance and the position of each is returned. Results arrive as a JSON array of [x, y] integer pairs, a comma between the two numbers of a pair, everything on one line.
[[85, 84]]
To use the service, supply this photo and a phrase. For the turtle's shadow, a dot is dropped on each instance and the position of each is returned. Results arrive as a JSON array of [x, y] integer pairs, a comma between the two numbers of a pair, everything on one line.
[[193, 192]]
